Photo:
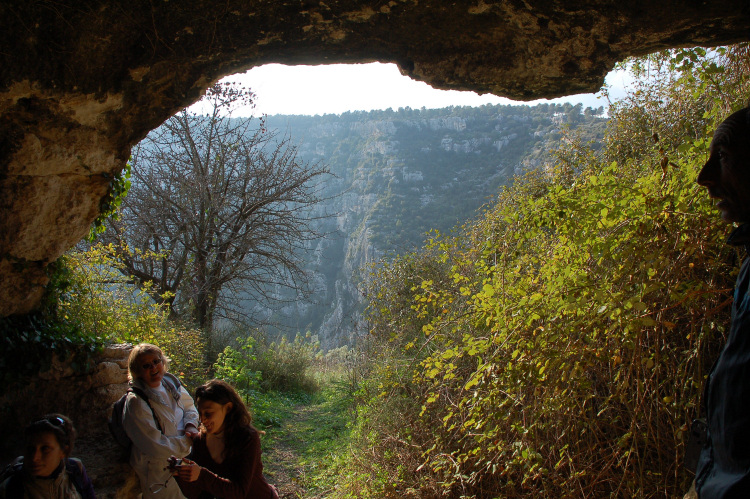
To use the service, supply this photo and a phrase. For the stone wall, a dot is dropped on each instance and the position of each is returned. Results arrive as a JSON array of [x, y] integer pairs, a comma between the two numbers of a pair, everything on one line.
[[85, 397]]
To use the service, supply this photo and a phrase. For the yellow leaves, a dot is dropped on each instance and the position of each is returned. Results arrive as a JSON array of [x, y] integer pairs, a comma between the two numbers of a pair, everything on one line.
[[647, 321], [448, 354], [571, 311], [473, 381], [638, 305]]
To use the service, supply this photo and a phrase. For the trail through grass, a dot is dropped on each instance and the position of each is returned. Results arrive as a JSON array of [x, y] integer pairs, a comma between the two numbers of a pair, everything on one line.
[[302, 454]]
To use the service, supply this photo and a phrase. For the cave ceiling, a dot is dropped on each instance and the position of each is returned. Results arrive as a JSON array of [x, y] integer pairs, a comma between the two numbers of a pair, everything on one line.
[[82, 81]]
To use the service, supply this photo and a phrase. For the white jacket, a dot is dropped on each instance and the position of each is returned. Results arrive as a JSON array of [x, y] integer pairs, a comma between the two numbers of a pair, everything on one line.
[[151, 447]]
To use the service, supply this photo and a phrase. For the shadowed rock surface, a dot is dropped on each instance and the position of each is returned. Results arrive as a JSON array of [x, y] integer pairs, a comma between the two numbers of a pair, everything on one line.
[[86, 395], [81, 82]]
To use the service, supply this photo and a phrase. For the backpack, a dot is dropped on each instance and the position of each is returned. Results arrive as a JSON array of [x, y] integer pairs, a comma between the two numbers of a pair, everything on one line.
[[116, 427], [14, 474]]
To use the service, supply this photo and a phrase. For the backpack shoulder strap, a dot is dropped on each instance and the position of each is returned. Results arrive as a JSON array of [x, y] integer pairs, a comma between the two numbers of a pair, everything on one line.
[[141, 394], [74, 468], [173, 385], [12, 473]]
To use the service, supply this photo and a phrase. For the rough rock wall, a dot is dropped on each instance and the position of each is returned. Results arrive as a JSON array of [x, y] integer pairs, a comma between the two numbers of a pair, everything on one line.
[[83, 81], [87, 399]]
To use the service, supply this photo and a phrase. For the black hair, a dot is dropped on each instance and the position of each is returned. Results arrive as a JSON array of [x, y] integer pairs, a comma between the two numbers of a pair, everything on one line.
[[734, 131], [59, 425]]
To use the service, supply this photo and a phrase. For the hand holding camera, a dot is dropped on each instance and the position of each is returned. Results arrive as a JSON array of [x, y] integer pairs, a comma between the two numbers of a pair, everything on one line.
[[184, 469], [173, 462]]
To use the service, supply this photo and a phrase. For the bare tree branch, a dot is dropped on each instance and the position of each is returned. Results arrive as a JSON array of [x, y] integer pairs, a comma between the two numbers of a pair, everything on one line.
[[218, 211]]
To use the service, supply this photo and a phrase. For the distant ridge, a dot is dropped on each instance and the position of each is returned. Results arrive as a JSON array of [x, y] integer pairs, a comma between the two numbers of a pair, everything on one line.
[[400, 174]]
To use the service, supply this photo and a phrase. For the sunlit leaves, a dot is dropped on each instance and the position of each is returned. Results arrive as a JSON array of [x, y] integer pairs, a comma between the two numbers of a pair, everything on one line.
[[564, 336], [105, 303]]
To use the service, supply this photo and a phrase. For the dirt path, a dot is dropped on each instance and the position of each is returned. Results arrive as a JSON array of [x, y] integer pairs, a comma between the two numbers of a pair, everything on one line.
[[281, 454]]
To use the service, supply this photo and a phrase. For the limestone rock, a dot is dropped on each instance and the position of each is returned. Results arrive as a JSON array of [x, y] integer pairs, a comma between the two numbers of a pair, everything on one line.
[[109, 373], [79, 86], [117, 351]]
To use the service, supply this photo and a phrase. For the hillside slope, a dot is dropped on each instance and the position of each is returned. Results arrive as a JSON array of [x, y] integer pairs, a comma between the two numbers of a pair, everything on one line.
[[399, 174]]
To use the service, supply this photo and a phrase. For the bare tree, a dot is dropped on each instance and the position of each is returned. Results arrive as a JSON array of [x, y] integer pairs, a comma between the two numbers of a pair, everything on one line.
[[219, 209]]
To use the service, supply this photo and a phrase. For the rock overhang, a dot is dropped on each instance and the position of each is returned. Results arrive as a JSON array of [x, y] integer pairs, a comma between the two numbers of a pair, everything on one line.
[[82, 82]]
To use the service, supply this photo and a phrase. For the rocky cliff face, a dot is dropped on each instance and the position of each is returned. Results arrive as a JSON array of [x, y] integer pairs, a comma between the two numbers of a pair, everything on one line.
[[398, 175], [80, 83]]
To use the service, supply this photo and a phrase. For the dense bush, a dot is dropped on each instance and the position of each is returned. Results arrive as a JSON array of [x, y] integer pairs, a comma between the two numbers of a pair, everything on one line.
[[29, 342], [104, 304], [88, 304], [272, 377], [258, 363], [559, 346]]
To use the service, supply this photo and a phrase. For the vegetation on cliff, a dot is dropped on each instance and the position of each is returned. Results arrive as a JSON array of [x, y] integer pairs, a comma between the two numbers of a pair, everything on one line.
[[554, 346], [558, 345], [398, 174]]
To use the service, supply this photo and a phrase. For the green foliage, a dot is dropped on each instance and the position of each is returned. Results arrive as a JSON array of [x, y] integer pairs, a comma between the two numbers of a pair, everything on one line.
[[259, 364], [104, 304], [233, 366], [89, 303], [560, 342], [119, 186], [28, 343], [285, 365], [402, 170], [270, 376]]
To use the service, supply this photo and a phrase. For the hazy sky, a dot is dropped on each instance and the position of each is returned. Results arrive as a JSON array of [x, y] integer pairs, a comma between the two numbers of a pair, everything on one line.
[[337, 88]]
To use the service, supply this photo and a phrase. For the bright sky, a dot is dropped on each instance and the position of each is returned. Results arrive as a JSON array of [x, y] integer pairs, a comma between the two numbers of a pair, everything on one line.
[[334, 89]]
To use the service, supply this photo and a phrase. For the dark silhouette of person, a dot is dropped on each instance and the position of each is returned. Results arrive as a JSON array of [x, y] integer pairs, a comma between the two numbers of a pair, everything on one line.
[[724, 464]]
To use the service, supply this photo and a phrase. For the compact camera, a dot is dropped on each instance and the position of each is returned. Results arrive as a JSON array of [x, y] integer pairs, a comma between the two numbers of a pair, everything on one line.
[[173, 462]]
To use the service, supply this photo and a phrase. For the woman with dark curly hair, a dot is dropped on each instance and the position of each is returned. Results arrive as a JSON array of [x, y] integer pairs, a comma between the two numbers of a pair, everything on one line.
[[46, 470], [225, 460]]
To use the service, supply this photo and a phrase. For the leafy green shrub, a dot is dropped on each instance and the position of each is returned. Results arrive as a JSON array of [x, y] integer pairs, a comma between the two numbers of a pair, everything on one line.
[[233, 366], [239, 367], [103, 304], [559, 345], [285, 365], [257, 364], [29, 342]]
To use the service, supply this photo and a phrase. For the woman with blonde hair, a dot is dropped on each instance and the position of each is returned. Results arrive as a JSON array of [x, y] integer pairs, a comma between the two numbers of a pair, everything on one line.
[[159, 417], [225, 460]]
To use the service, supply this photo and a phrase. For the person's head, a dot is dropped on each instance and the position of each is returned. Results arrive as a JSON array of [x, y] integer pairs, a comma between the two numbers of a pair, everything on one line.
[[48, 441], [726, 174], [220, 407], [148, 363]]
